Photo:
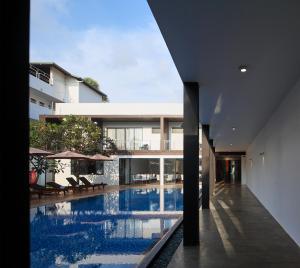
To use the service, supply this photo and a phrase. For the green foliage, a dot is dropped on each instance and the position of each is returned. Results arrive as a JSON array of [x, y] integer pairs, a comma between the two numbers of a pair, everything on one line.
[[45, 136], [91, 82], [80, 134], [42, 165], [105, 98], [74, 133]]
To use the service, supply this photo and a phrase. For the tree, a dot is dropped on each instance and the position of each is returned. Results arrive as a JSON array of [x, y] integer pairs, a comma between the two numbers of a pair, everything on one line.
[[105, 98], [74, 133], [42, 165], [45, 136], [91, 82]]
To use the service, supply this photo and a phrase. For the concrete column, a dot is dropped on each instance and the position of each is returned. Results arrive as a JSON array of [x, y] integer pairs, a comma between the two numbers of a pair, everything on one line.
[[162, 134], [161, 171], [161, 199], [205, 166], [191, 164]]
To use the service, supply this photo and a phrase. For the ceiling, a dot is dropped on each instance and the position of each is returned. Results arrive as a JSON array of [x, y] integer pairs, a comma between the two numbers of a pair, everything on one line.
[[208, 41]]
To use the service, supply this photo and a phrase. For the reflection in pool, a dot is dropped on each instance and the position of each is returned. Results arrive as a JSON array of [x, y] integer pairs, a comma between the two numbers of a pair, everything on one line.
[[112, 230]]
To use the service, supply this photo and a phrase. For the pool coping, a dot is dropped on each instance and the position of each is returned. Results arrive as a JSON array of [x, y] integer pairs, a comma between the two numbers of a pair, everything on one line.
[[150, 255]]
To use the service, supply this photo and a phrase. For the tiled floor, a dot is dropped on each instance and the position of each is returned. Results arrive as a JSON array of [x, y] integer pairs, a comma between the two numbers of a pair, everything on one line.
[[238, 232]]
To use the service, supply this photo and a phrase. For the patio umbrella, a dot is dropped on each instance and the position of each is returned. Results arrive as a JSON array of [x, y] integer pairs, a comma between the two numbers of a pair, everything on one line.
[[38, 152], [70, 155], [101, 157]]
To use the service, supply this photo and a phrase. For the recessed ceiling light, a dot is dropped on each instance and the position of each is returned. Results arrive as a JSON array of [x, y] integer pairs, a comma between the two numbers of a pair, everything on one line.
[[233, 128], [243, 68]]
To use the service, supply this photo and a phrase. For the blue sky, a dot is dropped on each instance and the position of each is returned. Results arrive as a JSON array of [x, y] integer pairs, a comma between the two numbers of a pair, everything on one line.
[[116, 42]]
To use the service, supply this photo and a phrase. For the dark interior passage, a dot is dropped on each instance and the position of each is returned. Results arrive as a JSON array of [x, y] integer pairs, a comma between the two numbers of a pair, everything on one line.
[[228, 169]]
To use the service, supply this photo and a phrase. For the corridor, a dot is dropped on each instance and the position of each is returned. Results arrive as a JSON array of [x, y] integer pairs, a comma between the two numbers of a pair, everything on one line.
[[238, 231]]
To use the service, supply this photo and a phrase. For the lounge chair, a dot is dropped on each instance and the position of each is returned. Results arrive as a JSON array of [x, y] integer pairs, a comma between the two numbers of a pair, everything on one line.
[[41, 190], [75, 184], [56, 185], [86, 182]]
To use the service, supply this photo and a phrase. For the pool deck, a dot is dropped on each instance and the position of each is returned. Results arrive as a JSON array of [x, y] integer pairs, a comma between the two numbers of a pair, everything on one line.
[[238, 232], [54, 198]]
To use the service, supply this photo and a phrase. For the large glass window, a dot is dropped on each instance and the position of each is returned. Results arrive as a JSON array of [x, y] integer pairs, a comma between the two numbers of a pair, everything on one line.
[[127, 138], [173, 170], [139, 171], [86, 167]]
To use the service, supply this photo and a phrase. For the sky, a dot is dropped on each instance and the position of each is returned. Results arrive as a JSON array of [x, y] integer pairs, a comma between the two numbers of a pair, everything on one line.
[[116, 42]]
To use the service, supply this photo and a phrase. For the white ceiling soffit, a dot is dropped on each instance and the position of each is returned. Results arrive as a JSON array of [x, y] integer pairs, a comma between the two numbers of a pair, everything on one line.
[[209, 40]]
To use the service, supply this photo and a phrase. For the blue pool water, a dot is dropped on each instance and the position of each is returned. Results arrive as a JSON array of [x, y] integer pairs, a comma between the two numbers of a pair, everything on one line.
[[111, 230]]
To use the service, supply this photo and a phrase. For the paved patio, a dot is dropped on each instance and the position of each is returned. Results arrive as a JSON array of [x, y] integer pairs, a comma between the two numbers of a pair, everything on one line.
[[238, 232]]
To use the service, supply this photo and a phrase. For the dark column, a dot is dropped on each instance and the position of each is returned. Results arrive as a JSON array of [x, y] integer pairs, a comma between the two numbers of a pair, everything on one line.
[[191, 164], [205, 166], [163, 143], [14, 147]]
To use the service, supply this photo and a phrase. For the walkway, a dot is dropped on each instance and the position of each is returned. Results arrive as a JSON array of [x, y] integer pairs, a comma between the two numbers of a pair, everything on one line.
[[238, 232]]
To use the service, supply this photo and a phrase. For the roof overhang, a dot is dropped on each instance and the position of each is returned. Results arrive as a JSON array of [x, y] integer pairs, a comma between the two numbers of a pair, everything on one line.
[[209, 40]]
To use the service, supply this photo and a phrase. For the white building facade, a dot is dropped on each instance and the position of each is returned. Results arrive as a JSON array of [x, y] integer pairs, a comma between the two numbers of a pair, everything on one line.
[[148, 136], [50, 84]]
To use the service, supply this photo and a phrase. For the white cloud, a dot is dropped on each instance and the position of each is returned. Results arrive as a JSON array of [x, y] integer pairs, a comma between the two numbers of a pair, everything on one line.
[[130, 66]]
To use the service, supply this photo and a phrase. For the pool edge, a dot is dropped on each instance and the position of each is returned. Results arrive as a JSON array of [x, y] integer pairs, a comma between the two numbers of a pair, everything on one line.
[[158, 246]]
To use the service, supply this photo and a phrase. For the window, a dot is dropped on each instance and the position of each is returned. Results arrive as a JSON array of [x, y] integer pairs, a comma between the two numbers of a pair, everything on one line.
[[32, 100], [177, 130], [41, 104], [155, 130], [49, 106], [126, 138], [85, 167]]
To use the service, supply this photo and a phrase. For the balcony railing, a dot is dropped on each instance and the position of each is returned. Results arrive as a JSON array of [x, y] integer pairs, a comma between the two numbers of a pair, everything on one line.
[[38, 73], [150, 145], [137, 145]]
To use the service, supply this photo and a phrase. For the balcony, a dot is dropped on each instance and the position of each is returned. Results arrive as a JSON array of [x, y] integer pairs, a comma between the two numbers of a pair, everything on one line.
[[138, 145], [41, 83]]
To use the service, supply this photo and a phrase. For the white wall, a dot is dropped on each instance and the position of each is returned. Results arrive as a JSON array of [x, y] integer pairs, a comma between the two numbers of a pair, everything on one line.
[[35, 109], [175, 139], [44, 87], [87, 95], [72, 88], [111, 173], [59, 84], [120, 109], [274, 177]]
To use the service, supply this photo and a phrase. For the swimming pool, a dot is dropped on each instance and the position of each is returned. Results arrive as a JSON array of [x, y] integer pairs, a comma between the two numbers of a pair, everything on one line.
[[111, 230]]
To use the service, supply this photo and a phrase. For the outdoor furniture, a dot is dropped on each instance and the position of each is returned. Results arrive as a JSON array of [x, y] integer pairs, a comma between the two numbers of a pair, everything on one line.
[[41, 190], [75, 184], [86, 182], [55, 185]]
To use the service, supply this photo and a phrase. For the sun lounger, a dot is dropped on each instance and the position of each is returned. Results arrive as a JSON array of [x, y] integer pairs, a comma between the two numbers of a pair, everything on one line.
[[75, 185], [56, 185], [41, 190], [86, 182]]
